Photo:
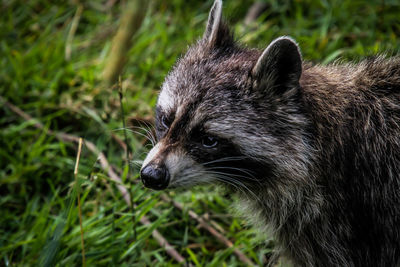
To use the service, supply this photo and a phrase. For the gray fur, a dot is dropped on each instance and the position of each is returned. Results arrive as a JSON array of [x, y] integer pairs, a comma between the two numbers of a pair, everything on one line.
[[313, 151]]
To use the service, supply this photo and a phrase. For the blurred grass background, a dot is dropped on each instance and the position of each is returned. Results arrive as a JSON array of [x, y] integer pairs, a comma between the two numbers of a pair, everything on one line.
[[39, 223]]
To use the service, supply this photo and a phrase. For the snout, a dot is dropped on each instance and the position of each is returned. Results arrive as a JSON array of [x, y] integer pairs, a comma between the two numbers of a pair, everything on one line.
[[155, 177]]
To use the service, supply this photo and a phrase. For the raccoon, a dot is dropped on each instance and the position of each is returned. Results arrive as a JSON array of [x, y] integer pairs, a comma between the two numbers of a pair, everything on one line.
[[312, 151]]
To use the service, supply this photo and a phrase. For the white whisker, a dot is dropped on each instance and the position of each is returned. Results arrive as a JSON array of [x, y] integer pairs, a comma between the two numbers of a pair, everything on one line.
[[236, 169], [136, 132], [149, 132], [224, 160]]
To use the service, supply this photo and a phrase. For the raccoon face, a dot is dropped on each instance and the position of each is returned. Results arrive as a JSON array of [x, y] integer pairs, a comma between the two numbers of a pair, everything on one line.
[[227, 114]]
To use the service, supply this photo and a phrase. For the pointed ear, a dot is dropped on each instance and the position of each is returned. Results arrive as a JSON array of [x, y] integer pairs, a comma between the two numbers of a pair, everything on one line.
[[217, 33], [279, 66]]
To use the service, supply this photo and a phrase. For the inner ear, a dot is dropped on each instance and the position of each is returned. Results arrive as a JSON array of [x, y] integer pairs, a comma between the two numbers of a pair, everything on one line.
[[217, 33], [279, 66]]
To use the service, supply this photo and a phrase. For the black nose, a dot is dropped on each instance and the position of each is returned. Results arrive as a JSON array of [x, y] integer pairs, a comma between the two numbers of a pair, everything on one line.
[[155, 177]]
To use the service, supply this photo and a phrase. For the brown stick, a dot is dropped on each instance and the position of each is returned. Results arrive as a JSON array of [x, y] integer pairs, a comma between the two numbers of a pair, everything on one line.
[[203, 223], [106, 167], [209, 228], [131, 20], [78, 156]]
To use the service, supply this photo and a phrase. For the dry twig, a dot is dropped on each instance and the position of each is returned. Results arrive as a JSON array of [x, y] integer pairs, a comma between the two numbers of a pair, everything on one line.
[[211, 229], [203, 222], [106, 167], [78, 156], [131, 21]]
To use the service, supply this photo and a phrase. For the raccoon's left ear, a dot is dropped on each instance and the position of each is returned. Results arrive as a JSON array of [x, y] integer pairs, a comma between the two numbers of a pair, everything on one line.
[[279, 66], [217, 33]]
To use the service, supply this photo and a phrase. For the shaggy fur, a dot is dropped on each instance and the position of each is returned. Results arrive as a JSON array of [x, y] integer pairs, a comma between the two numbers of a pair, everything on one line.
[[313, 151]]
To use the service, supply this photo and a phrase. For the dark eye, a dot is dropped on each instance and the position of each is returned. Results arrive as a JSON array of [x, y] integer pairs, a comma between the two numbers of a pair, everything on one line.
[[209, 142], [165, 122]]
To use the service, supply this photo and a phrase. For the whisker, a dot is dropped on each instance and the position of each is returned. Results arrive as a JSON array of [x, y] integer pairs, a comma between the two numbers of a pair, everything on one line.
[[236, 169], [230, 183], [148, 124], [224, 159], [245, 187], [148, 147], [149, 132], [137, 162], [219, 176], [228, 177], [141, 155], [237, 185], [137, 132], [150, 128]]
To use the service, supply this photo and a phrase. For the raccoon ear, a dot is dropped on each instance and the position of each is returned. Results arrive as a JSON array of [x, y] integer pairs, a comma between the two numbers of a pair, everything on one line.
[[217, 33], [279, 66]]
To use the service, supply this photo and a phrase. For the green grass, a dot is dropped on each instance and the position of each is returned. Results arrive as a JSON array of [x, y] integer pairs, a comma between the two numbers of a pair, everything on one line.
[[39, 221]]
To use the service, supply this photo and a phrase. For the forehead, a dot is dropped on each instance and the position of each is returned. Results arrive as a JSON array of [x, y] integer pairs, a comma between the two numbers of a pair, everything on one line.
[[201, 77]]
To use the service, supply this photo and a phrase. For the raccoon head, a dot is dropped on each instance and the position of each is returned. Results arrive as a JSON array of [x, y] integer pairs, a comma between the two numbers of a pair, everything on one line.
[[229, 114]]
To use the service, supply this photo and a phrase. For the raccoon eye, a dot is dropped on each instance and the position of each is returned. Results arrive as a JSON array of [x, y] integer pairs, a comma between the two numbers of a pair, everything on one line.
[[209, 142], [165, 122]]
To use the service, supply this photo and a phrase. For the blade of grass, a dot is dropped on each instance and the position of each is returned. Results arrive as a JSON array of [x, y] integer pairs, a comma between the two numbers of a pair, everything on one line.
[[106, 167]]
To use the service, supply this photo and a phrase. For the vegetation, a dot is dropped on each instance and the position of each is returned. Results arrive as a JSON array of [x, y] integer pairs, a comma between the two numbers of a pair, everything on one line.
[[52, 56]]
